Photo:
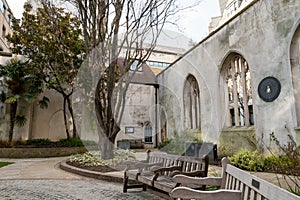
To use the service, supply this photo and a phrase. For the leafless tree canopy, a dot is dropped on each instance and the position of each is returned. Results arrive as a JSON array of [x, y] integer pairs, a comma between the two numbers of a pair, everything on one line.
[[118, 33]]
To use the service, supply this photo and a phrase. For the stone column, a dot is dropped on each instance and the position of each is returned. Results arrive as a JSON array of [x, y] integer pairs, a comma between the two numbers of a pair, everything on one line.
[[235, 93], [243, 66]]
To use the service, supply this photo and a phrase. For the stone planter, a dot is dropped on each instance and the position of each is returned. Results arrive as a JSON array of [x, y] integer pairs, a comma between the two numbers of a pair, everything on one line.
[[123, 144]]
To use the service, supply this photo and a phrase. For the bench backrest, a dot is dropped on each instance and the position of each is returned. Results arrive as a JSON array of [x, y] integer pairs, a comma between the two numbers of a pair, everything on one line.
[[190, 164], [161, 157], [252, 187], [187, 163]]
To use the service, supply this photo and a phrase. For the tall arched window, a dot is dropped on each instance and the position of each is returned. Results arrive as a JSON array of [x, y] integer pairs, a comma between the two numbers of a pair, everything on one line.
[[148, 132], [238, 92], [295, 63], [191, 101]]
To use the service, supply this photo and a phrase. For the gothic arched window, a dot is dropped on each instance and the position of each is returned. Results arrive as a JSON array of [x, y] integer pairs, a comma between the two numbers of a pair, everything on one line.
[[191, 102], [148, 132], [238, 91]]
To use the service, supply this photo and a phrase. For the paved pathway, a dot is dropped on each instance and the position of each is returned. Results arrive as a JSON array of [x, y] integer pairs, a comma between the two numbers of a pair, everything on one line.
[[36, 179]]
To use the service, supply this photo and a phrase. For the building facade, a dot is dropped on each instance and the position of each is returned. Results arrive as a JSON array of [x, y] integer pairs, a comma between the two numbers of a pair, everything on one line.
[[5, 56], [240, 84]]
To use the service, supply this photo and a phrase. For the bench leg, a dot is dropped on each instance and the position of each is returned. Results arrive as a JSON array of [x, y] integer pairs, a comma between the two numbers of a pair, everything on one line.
[[144, 187], [125, 183]]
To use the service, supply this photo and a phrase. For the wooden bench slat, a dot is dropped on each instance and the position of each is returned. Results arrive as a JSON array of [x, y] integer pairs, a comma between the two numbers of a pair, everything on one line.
[[266, 189], [188, 193], [185, 180], [246, 192], [160, 176], [248, 186]]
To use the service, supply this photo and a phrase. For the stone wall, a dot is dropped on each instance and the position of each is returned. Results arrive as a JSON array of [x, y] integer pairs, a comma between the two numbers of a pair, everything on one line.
[[262, 34]]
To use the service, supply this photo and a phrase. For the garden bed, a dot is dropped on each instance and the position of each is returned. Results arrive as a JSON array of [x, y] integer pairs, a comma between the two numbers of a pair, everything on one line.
[[40, 152], [99, 168]]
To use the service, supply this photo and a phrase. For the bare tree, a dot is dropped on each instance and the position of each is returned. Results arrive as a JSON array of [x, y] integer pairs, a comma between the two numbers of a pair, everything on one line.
[[118, 34]]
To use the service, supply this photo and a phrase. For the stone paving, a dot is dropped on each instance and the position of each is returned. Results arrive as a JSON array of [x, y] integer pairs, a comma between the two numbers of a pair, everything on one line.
[[35, 179], [66, 190]]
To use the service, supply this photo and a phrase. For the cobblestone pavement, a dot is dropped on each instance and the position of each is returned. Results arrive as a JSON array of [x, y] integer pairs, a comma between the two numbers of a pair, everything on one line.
[[40, 179], [66, 190]]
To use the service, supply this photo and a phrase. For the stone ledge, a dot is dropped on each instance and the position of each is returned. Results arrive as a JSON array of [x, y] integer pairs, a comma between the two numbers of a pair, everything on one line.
[[108, 176], [40, 152]]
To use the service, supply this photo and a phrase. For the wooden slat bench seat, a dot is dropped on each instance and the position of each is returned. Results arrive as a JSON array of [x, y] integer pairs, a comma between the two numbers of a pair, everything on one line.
[[189, 166], [235, 184], [158, 169]]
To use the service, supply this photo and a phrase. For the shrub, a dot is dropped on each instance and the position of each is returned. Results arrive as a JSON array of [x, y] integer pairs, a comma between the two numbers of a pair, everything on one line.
[[164, 143], [71, 142], [288, 163], [93, 158], [38, 142], [251, 161]]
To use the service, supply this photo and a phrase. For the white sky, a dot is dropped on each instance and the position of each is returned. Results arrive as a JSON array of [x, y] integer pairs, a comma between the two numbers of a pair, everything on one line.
[[193, 23]]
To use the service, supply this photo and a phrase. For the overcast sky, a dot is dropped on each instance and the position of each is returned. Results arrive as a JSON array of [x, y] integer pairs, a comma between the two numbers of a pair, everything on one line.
[[193, 23]]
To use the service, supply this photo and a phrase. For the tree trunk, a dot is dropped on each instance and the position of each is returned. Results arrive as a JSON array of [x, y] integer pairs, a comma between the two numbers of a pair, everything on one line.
[[13, 112], [65, 117], [107, 143], [70, 108], [108, 125], [106, 147]]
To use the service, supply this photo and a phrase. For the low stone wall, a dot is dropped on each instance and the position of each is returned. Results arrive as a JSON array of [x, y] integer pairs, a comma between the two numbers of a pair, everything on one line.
[[232, 140], [25, 152], [116, 176]]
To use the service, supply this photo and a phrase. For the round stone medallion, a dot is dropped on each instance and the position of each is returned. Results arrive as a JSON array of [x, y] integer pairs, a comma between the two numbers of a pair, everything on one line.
[[269, 89]]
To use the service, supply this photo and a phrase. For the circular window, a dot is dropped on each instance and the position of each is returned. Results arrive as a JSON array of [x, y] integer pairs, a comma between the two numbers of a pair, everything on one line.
[[269, 89]]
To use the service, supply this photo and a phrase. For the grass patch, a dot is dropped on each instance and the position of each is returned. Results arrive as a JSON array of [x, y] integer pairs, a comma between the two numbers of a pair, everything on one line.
[[2, 164]]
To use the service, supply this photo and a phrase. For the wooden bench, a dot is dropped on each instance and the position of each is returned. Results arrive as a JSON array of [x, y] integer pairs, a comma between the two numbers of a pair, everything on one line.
[[157, 170], [234, 184]]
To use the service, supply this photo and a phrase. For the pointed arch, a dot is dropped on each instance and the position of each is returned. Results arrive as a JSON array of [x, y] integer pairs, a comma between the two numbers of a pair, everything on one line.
[[191, 103], [148, 132], [237, 90], [295, 65]]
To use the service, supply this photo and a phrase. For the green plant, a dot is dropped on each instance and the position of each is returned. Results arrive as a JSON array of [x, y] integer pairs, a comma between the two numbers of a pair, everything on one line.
[[71, 142], [21, 85], [2, 164], [164, 143], [20, 120], [94, 158], [224, 150], [288, 163], [251, 161], [39, 141]]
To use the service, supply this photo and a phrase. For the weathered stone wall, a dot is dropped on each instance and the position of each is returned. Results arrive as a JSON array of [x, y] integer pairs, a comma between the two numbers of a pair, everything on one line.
[[139, 110], [262, 34], [49, 122]]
